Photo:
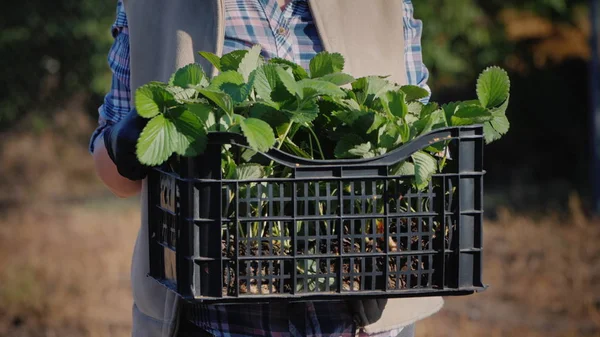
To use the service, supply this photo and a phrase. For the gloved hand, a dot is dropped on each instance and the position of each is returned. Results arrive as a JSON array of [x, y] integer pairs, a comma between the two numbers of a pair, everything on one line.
[[120, 140], [367, 311]]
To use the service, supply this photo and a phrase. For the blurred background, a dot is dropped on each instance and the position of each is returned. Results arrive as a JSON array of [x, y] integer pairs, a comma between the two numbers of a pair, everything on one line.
[[66, 243]]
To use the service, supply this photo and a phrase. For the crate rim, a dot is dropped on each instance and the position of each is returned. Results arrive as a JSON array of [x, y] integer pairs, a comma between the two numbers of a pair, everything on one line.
[[397, 155], [318, 297]]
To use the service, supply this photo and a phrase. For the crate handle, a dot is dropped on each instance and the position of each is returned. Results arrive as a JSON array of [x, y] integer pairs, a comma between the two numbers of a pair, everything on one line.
[[390, 158]]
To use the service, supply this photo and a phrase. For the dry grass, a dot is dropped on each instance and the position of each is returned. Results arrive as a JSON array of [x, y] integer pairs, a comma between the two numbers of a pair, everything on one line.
[[40, 164], [65, 272], [544, 278]]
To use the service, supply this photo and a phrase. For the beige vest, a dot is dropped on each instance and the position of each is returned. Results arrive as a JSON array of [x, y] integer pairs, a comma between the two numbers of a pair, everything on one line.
[[167, 34]]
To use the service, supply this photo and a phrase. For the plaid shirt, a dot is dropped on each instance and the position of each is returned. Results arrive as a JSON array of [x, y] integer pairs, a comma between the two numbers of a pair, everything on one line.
[[290, 34]]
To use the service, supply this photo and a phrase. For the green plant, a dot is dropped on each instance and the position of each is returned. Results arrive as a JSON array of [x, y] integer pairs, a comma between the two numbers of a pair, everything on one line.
[[317, 114]]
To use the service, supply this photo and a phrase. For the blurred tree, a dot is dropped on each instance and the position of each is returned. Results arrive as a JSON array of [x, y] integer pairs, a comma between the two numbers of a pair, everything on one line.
[[544, 44], [51, 50], [461, 37]]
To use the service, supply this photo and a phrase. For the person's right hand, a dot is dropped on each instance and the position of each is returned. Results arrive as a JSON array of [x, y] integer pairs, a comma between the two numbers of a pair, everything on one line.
[[120, 140]]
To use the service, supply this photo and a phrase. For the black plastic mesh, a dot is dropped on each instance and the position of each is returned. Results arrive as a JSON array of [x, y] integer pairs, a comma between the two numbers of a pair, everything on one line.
[[318, 233]]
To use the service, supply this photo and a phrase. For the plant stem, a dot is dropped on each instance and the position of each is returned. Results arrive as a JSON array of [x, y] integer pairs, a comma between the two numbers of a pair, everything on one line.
[[310, 144], [285, 134], [317, 140], [281, 141], [218, 120], [444, 159]]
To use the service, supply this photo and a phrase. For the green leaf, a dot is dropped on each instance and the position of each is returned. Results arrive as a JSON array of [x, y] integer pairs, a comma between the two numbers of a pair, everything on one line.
[[379, 151], [470, 114], [189, 76], [249, 171], [212, 58], [229, 76], [191, 135], [370, 121], [180, 94], [378, 121], [425, 167], [449, 111], [368, 89], [265, 80], [415, 108], [501, 110], [352, 96], [493, 87], [499, 125], [233, 122], [350, 104], [152, 99], [328, 104], [237, 118], [346, 143], [471, 102], [250, 62], [282, 129], [229, 167], [405, 133], [362, 150], [391, 136], [204, 113], [414, 93], [231, 61], [295, 149], [155, 144], [233, 84], [496, 128], [288, 81], [339, 79], [349, 116], [430, 122], [220, 99], [258, 133], [325, 63], [269, 113], [404, 169], [305, 113], [489, 133], [247, 155], [411, 119], [299, 72], [394, 102], [201, 110], [429, 109], [313, 87]]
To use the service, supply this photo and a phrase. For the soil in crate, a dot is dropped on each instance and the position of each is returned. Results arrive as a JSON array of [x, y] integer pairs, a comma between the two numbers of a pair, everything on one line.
[[320, 270]]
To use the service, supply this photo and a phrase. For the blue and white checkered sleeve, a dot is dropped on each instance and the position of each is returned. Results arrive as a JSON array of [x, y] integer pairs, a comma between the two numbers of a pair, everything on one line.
[[417, 72], [117, 101]]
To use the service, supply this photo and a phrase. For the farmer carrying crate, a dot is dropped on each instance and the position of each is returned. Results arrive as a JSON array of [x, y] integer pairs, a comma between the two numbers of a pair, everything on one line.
[[153, 38]]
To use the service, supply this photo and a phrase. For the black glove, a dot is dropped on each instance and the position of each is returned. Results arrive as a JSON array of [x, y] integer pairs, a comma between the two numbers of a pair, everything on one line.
[[368, 311], [120, 140]]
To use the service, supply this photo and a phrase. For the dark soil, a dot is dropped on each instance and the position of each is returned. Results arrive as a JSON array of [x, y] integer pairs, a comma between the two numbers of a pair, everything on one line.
[[363, 270]]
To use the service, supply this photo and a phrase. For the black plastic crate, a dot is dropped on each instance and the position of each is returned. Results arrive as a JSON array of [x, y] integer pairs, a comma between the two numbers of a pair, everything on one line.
[[322, 233]]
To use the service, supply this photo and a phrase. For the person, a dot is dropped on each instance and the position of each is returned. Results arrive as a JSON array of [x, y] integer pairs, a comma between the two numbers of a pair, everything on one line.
[[152, 38]]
